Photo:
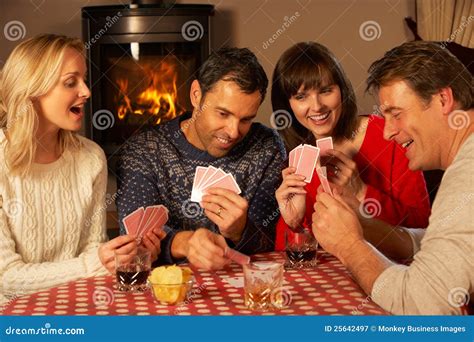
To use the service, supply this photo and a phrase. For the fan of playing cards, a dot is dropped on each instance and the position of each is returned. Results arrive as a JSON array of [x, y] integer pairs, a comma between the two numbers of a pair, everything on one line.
[[209, 177], [305, 158], [143, 220]]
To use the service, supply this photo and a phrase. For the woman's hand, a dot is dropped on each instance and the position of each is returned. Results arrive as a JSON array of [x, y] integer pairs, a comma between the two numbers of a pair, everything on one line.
[[291, 197], [152, 242], [125, 244], [343, 171]]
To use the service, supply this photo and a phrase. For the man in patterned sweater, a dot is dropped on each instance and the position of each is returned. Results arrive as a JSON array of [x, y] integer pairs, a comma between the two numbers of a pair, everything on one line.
[[157, 166]]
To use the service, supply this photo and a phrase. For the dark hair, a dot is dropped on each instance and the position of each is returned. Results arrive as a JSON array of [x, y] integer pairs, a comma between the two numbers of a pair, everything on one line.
[[312, 66], [236, 65], [426, 67]]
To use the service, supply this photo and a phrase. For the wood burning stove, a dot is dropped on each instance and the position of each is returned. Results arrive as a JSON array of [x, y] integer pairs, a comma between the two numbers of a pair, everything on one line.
[[142, 59]]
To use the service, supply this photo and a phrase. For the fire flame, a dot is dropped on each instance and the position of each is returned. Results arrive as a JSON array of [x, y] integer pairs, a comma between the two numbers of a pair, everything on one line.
[[159, 97]]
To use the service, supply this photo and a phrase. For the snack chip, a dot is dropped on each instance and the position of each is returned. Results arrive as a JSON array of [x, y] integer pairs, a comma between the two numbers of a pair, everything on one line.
[[171, 283]]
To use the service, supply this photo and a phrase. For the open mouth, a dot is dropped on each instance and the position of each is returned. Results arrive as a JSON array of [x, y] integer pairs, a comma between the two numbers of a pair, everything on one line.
[[407, 143], [77, 110], [319, 118]]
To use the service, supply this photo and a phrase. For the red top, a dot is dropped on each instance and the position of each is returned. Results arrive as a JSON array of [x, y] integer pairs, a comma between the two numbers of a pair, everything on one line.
[[382, 165]]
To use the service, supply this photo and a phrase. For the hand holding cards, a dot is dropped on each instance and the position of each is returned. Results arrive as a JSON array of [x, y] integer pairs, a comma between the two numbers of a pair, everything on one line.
[[143, 220], [305, 158], [209, 177]]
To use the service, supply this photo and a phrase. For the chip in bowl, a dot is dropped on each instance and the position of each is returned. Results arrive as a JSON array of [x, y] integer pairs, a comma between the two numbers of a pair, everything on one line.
[[171, 284]]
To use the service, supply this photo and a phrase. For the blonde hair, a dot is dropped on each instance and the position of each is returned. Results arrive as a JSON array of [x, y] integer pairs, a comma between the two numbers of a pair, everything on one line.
[[32, 70]]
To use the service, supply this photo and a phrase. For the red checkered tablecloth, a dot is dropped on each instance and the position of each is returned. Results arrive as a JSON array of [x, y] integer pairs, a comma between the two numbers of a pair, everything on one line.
[[325, 290]]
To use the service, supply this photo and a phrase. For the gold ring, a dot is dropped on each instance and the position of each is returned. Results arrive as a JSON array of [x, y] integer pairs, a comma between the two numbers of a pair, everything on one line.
[[219, 211]]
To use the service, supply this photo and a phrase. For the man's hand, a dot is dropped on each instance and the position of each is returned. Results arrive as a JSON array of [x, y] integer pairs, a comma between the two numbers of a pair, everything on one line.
[[205, 250], [152, 242], [335, 225], [343, 171], [227, 210], [124, 244], [346, 195]]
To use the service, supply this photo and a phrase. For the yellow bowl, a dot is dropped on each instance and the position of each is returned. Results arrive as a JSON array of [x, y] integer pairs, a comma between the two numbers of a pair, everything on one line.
[[171, 294]]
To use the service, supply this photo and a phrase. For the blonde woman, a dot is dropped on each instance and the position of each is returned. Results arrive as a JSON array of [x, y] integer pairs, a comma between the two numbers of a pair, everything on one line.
[[52, 181]]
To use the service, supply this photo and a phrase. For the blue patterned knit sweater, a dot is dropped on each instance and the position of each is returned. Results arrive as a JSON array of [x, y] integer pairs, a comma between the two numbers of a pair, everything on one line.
[[157, 166]]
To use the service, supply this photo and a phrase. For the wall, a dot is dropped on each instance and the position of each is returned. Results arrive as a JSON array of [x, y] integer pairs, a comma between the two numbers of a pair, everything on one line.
[[267, 27]]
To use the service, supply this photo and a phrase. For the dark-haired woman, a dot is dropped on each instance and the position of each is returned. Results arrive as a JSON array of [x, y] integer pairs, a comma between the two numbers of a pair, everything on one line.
[[311, 86]]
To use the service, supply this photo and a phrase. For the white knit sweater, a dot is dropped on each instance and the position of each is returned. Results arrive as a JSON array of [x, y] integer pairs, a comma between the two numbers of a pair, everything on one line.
[[52, 222]]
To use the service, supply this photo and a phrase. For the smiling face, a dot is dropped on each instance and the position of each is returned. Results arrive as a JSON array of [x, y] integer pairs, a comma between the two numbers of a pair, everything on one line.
[[63, 106], [318, 110], [414, 125], [223, 119]]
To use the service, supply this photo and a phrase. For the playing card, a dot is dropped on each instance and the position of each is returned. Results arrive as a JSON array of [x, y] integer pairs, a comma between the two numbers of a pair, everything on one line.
[[291, 157], [200, 171], [307, 162], [236, 256], [132, 221], [297, 155], [322, 174], [196, 193], [324, 144], [198, 176], [150, 217], [148, 213], [237, 282], [159, 219], [211, 179], [227, 182], [209, 172]]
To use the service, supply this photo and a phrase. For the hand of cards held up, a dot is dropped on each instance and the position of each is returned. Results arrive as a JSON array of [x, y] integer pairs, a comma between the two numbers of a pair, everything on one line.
[[209, 177], [142, 220], [305, 157]]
